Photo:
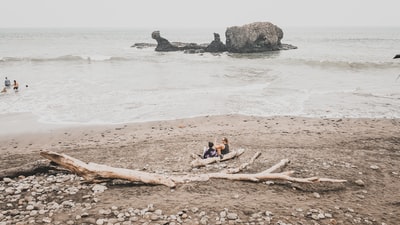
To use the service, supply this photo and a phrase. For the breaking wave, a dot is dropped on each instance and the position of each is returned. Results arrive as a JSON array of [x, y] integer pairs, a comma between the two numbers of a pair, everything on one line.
[[331, 64], [322, 64], [65, 58]]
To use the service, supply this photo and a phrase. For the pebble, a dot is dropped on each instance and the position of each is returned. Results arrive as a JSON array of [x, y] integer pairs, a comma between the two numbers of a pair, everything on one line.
[[374, 167], [38, 199], [232, 216], [204, 220], [195, 209], [360, 182], [98, 188], [7, 180], [316, 195]]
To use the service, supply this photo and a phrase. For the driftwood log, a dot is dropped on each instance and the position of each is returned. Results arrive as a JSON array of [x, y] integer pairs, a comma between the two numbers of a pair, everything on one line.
[[96, 172], [199, 162], [30, 169]]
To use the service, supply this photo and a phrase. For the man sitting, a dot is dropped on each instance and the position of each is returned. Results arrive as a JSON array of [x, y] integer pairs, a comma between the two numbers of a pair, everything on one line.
[[211, 152]]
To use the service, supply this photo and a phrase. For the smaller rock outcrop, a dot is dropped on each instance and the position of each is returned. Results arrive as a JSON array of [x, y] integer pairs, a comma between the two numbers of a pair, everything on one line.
[[163, 45], [396, 56], [143, 45], [216, 45]]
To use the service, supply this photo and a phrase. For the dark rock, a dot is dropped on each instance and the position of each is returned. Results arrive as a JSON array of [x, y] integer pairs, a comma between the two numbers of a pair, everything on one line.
[[250, 38], [193, 51], [143, 45], [216, 45], [163, 45], [187, 46], [396, 56], [287, 47], [255, 37]]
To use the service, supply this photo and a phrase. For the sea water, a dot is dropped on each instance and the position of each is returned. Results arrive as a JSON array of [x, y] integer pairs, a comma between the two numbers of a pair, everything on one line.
[[94, 76]]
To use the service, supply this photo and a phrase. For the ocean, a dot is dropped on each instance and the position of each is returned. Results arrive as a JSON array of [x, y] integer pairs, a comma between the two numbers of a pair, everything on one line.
[[94, 76]]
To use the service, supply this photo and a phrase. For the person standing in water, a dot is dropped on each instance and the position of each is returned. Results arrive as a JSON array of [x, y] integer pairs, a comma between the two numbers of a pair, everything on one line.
[[16, 85], [7, 83]]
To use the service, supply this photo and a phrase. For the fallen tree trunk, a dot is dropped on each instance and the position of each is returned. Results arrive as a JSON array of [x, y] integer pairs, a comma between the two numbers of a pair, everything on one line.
[[97, 172], [27, 169]]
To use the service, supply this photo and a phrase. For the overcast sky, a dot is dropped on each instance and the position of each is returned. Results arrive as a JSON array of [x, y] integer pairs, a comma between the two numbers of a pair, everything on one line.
[[191, 13]]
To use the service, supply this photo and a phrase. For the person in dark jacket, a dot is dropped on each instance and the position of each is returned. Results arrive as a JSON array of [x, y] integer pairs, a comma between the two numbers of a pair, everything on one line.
[[7, 83], [210, 152]]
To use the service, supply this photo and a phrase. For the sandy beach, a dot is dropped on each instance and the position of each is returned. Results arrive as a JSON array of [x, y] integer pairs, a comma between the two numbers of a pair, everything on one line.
[[365, 152]]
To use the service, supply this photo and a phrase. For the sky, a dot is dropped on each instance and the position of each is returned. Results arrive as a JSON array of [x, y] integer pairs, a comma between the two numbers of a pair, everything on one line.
[[196, 13]]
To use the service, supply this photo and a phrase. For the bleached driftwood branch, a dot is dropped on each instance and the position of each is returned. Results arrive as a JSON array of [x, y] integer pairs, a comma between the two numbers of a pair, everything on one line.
[[244, 165], [97, 172], [198, 162]]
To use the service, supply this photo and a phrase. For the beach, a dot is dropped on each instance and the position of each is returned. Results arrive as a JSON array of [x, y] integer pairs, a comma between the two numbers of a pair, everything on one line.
[[363, 151], [331, 107], [117, 101]]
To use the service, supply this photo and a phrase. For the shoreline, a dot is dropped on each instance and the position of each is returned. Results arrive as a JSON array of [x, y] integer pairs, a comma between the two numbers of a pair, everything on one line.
[[15, 124]]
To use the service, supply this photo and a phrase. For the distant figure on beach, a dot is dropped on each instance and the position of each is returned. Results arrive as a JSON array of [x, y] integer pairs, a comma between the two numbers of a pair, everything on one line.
[[16, 85], [222, 148], [7, 83], [210, 152]]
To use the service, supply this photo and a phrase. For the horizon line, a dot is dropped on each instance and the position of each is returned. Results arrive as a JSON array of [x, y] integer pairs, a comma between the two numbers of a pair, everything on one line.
[[187, 27]]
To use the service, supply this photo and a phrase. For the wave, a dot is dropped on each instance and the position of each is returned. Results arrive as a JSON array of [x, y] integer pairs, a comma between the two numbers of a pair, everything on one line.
[[323, 64], [332, 64], [65, 58], [392, 96]]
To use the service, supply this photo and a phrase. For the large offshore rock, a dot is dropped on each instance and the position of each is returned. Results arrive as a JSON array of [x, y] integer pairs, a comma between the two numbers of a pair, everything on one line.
[[254, 37]]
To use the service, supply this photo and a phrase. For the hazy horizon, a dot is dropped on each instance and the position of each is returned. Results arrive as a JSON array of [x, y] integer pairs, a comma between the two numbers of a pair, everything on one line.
[[152, 14], [198, 28]]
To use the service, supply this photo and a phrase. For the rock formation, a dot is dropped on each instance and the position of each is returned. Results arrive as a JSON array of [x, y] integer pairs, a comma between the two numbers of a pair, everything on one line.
[[255, 37], [250, 38], [163, 45], [216, 45]]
